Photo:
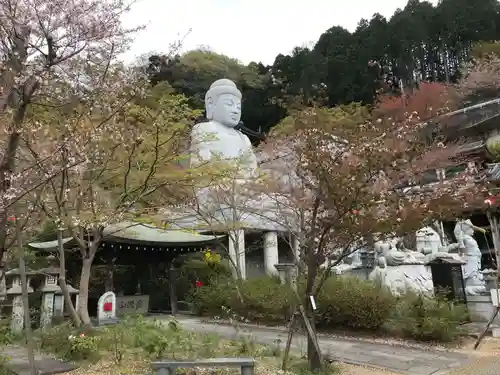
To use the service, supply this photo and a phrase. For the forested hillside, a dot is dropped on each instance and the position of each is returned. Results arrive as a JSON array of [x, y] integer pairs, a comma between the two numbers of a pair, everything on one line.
[[421, 42]]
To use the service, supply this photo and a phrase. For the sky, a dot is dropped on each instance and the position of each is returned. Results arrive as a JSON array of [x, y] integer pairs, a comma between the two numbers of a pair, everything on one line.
[[249, 30]]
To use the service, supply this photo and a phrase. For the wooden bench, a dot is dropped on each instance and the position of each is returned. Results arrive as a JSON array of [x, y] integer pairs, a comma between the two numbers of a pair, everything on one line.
[[168, 367]]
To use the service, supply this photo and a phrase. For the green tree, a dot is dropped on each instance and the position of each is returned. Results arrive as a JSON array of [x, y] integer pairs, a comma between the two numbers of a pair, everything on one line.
[[192, 74], [317, 150]]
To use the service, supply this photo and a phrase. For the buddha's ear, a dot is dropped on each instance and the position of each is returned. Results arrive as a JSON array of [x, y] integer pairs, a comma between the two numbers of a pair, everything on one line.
[[209, 107]]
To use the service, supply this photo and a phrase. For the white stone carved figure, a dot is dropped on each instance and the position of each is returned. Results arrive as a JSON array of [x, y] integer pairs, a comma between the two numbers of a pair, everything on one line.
[[464, 232], [218, 137], [350, 263], [401, 270], [219, 140], [395, 254], [429, 243]]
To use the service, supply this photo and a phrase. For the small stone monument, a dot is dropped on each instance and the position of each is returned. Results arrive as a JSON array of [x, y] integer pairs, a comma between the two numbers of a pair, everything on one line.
[[288, 275], [16, 293], [106, 309]]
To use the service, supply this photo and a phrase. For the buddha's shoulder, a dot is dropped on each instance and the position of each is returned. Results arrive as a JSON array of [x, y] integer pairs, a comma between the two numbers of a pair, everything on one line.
[[204, 127]]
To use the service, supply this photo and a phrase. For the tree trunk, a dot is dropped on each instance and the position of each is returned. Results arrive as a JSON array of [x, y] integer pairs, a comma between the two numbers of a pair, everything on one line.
[[26, 306], [288, 346], [83, 301], [62, 281], [313, 354]]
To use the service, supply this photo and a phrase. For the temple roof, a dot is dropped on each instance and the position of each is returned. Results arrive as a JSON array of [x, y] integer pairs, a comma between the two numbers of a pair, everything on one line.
[[51, 245], [138, 233], [143, 233]]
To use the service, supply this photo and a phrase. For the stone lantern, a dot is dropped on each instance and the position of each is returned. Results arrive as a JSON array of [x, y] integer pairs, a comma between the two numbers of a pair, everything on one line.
[[52, 296], [16, 293], [49, 291]]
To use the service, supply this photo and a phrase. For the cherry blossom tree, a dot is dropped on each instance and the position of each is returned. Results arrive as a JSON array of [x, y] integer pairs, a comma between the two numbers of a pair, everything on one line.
[[116, 168], [430, 100], [71, 115], [341, 176], [51, 54]]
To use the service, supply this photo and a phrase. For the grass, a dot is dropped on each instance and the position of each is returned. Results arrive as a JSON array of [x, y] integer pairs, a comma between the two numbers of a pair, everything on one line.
[[3, 369], [129, 347]]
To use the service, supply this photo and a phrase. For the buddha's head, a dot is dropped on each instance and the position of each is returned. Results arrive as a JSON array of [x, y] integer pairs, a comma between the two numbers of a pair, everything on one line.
[[223, 103]]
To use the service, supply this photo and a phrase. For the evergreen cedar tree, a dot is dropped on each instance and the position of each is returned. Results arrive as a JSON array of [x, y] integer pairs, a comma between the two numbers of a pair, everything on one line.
[[420, 40]]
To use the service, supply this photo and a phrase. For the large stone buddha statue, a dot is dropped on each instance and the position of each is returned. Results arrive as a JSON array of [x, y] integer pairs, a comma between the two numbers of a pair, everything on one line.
[[218, 138]]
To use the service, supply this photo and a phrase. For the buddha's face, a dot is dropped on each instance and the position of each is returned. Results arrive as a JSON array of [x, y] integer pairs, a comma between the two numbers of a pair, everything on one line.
[[227, 110]]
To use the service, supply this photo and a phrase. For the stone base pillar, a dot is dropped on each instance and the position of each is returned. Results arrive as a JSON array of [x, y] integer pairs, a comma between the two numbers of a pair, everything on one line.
[[236, 248], [47, 309], [271, 256], [17, 321]]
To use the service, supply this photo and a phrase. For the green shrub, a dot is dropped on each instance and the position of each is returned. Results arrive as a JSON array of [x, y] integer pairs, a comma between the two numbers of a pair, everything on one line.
[[344, 302], [83, 347], [427, 319], [208, 300], [264, 299], [6, 336], [69, 343], [350, 302], [194, 268]]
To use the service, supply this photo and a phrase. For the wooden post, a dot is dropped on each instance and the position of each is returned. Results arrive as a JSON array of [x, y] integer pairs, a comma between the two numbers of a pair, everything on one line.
[[172, 288]]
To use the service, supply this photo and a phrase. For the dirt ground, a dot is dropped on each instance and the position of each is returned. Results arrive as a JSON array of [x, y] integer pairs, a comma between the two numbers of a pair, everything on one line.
[[358, 370], [488, 351]]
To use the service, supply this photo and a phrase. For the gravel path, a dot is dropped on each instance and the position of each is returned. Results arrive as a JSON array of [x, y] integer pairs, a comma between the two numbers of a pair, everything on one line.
[[395, 359], [486, 362]]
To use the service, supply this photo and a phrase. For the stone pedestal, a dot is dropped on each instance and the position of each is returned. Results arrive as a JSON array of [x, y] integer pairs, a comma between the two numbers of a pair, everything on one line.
[[404, 278], [271, 256], [236, 249], [481, 308]]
